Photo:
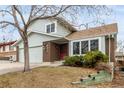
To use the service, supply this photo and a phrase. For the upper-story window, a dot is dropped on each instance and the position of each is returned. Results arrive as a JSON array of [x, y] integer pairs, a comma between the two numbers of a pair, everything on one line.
[[50, 28]]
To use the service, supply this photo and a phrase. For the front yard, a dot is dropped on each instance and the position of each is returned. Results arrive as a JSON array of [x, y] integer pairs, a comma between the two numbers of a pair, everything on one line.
[[51, 77]]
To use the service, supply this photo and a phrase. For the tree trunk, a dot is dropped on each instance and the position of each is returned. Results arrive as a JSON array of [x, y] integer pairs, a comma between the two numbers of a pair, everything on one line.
[[26, 56]]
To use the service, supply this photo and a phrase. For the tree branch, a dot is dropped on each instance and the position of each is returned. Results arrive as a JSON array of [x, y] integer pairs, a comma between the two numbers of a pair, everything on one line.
[[51, 16], [7, 22], [6, 12], [19, 14]]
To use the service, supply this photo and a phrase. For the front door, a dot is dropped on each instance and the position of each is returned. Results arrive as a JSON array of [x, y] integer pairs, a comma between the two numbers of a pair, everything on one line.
[[63, 51]]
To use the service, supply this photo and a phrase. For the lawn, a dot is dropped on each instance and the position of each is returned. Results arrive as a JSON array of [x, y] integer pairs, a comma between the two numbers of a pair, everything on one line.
[[45, 77], [52, 77]]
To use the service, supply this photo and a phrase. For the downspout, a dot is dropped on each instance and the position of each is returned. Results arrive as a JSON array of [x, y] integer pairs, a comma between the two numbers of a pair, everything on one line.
[[109, 48], [122, 52]]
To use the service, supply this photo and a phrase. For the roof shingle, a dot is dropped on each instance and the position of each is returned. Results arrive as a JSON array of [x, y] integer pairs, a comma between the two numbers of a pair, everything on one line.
[[94, 32]]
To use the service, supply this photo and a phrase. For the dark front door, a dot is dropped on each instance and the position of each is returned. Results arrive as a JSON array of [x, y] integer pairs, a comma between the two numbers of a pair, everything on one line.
[[63, 51]]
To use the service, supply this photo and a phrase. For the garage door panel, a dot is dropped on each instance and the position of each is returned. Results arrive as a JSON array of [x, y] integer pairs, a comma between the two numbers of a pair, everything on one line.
[[35, 55], [21, 55]]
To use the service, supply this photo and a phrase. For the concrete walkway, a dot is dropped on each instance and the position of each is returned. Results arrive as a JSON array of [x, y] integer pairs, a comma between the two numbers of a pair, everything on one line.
[[6, 66]]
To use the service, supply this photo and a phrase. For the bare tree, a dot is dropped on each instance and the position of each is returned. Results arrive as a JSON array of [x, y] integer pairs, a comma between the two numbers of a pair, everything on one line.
[[120, 46], [21, 17]]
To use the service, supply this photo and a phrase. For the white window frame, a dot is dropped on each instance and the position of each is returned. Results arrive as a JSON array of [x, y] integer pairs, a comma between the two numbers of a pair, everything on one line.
[[79, 48], [88, 46], [50, 26], [98, 44], [88, 39]]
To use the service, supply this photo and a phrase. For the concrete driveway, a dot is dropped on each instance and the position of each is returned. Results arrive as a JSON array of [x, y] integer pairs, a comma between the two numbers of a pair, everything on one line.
[[6, 66]]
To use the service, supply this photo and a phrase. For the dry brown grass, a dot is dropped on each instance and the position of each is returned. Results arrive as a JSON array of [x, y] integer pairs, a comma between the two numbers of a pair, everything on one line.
[[45, 77], [52, 77]]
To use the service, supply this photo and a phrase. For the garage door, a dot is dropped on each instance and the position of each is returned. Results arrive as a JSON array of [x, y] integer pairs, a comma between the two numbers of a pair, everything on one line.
[[35, 55]]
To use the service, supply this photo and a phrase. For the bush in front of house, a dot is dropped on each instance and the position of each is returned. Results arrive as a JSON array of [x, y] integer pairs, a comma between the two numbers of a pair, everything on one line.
[[73, 61], [90, 59], [93, 57]]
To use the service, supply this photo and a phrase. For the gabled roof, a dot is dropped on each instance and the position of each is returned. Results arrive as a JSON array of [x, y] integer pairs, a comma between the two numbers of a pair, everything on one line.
[[94, 32], [66, 24], [63, 22], [30, 32], [7, 43]]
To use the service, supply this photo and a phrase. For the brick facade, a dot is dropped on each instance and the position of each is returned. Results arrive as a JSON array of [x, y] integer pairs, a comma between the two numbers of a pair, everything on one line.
[[112, 48], [53, 52]]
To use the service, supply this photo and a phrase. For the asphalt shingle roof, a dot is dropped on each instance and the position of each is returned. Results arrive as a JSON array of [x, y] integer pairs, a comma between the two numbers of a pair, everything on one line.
[[94, 32]]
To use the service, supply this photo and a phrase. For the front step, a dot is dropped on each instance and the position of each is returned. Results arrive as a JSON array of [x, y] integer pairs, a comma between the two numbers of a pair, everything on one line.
[[59, 62]]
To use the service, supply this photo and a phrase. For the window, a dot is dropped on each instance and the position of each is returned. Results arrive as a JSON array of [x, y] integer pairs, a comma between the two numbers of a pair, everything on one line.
[[84, 47], [94, 45], [50, 28], [76, 48], [4, 48], [11, 47], [53, 27]]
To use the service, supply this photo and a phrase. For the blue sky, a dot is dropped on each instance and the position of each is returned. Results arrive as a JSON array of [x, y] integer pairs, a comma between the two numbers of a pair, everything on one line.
[[117, 16]]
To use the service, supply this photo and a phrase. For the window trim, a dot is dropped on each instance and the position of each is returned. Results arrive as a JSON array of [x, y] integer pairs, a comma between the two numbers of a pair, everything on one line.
[[81, 46], [88, 39], [50, 27], [92, 40], [73, 47]]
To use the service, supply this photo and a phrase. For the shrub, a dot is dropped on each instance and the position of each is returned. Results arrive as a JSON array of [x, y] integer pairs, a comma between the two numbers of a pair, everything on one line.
[[73, 61], [93, 57], [90, 59]]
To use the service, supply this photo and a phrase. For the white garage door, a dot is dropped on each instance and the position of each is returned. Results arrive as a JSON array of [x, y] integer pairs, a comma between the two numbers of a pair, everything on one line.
[[35, 55], [21, 55]]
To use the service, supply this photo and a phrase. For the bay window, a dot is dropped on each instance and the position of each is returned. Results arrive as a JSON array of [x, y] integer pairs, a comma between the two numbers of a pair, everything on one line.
[[82, 47]]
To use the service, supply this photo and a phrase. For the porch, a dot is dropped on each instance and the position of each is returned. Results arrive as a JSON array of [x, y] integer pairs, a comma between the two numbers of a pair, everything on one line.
[[55, 50]]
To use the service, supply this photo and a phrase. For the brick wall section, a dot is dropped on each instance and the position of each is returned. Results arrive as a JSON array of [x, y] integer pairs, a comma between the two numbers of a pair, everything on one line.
[[46, 51], [54, 52], [112, 49], [50, 52]]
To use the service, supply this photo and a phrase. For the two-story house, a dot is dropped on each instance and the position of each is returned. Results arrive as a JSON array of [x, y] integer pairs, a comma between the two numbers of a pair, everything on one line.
[[53, 39]]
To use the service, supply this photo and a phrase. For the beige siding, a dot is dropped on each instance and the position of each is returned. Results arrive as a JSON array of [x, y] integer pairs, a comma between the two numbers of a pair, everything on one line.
[[35, 50], [40, 26]]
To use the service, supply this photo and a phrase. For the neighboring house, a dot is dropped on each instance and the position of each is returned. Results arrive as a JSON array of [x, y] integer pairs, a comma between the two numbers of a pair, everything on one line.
[[53, 39], [7, 50], [119, 56]]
